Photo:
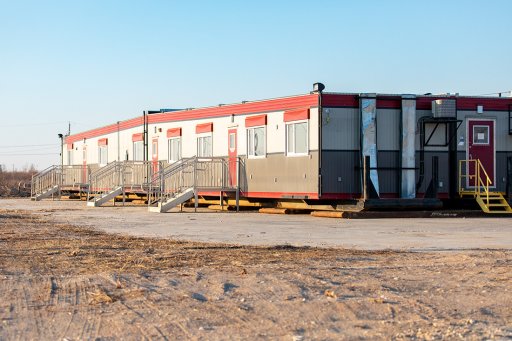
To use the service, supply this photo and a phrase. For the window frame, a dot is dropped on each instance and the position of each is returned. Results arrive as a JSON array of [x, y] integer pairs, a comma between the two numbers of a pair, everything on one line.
[[134, 149], [248, 132], [488, 142], [102, 151], [294, 124], [170, 149], [199, 142]]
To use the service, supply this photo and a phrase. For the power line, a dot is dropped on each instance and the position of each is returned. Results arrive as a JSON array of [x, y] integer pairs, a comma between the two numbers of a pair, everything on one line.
[[31, 145], [29, 154], [33, 124]]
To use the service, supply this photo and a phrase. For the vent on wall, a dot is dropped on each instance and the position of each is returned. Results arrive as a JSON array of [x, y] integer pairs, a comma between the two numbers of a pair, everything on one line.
[[442, 108]]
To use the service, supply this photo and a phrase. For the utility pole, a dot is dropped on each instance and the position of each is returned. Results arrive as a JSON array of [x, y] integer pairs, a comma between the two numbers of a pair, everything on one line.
[[61, 136]]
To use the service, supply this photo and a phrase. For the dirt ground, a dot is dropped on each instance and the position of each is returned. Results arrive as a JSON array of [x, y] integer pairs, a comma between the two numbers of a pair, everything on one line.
[[64, 282]]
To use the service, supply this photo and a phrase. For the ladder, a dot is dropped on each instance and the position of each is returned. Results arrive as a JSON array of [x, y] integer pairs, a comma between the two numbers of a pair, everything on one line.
[[474, 182]]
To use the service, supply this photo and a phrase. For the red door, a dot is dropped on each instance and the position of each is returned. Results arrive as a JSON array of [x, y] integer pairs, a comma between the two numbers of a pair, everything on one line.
[[154, 155], [233, 154], [481, 146]]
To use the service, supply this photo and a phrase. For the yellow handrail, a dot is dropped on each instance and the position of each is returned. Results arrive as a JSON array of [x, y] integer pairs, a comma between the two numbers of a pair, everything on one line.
[[480, 184]]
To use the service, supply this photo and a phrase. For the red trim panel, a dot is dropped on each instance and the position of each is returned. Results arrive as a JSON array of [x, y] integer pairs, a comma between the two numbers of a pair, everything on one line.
[[296, 115], [173, 132], [254, 121], [137, 137], [70, 146], [279, 104], [333, 100], [204, 128], [273, 195], [103, 142], [422, 102]]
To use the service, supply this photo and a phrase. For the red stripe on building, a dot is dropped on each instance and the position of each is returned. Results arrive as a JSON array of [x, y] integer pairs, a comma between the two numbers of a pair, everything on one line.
[[102, 142], [137, 137], [254, 121], [334, 100], [70, 146], [296, 115], [278, 104], [173, 132], [204, 128]]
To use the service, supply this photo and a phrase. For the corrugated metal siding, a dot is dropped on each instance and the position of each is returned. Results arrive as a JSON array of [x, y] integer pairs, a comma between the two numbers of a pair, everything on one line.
[[388, 129], [388, 178], [501, 170], [280, 173], [343, 165], [340, 129], [443, 171]]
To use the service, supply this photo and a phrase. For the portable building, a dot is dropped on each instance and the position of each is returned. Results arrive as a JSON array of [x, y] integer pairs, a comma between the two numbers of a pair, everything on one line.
[[314, 146]]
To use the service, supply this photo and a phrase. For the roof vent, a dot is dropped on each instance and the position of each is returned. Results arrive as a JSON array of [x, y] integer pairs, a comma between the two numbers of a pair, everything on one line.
[[318, 87], [442, 108]]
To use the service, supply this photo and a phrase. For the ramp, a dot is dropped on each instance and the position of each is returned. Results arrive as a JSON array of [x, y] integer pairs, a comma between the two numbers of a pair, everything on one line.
[[177, 199], [47, 193], [98, 201]]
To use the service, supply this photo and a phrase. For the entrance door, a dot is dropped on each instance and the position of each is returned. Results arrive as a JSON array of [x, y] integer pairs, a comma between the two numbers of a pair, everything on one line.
[[233, 154], [481, 146]]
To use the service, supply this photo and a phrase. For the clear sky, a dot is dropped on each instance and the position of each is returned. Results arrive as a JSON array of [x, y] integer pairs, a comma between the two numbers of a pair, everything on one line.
[[93, 63]]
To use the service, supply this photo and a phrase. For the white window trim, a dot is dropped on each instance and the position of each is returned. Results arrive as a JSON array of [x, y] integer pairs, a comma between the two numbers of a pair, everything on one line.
[[134, 153], [294, 154], [249, 156], [70, 157], [200, 136], [169, 156], [488, 137], [100, 148]]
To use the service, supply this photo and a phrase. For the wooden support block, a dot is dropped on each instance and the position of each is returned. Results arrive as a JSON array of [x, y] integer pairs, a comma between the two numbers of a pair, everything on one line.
[[274, 210], [220, 208], [326, 214]]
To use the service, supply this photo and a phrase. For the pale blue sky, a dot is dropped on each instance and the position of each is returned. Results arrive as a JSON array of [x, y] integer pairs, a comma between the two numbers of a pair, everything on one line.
[[97, 62]]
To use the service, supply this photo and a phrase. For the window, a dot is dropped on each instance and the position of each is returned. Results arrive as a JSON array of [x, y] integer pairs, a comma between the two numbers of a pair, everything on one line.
[[70, 157], [480, 134], [154, 150], [297, 138], [138, 151], [174, 149], [102, 155], [204, 146], [256, 142]]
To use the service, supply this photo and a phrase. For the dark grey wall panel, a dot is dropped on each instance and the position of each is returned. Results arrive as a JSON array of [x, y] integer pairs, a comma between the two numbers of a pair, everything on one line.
[[444, 181], [340, 172], [281, 173], [388, 129], [388, 178]]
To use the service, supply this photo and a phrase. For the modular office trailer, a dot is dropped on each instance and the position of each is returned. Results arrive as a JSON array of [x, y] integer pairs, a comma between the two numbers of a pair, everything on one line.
[[313, 146]]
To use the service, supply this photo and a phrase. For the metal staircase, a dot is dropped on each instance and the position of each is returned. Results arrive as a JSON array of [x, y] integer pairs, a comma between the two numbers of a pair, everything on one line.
[[53, 180], [474, 182], [118, 177], [181, 181], [46, 183]]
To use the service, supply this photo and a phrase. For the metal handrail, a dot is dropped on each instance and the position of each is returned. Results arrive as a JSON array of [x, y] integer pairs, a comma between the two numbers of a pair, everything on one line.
[[132, 175], [199, 173], [481, 179], [46, 179]]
